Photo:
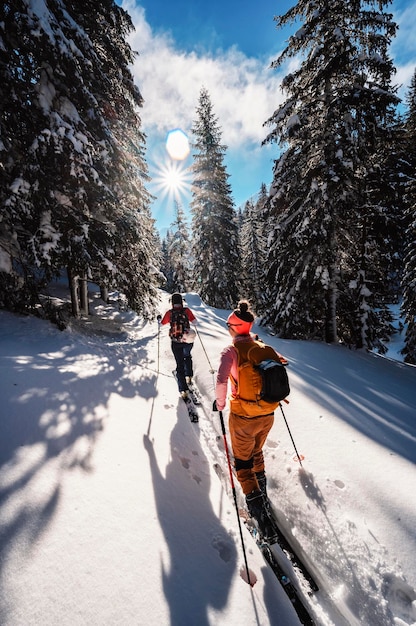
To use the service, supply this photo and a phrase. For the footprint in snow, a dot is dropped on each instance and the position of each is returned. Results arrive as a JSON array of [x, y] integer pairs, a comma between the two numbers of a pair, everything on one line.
[[272, 444], [223, 547], [186, 463], [401, 598]]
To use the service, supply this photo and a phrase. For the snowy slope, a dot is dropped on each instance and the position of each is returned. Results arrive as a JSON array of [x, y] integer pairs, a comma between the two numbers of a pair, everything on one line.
[[111, 511]]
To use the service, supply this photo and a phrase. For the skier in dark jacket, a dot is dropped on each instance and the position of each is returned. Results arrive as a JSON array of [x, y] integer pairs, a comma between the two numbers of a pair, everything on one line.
[[179, 317]]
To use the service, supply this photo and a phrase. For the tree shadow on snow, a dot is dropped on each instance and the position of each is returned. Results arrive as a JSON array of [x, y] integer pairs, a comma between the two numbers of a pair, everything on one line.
[[55, 408], [373, 394]]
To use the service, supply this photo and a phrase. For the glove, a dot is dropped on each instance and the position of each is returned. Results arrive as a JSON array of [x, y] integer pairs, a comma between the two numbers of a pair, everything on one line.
[[214, 406], [159, 319]]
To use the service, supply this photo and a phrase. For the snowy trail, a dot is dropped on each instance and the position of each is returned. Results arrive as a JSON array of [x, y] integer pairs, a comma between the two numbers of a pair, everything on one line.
[[124, 526], [111, 510]]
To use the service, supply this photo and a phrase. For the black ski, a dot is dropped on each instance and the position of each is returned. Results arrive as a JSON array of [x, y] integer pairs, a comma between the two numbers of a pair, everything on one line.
[[280, 540], [291, 554], [192, 412], [289, 588], [194, 393]]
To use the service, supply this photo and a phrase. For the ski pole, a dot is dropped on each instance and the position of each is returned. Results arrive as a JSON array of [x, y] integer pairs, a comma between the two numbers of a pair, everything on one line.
[[297, 453], [158, 344], [235, 496], [203, 347], [157, 372]]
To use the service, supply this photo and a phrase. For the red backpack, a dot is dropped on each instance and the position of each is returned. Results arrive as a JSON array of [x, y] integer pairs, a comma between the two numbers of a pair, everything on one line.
[[179, 324]]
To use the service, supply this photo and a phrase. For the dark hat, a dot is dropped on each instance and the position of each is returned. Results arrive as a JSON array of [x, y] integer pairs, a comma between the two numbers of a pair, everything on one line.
[[177, 300]]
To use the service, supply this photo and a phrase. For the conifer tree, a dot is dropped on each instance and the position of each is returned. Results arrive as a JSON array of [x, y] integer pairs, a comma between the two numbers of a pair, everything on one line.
[[253, 250], [166, 267], [331, 128], [263, 233], [179, 252], [409, 275], [74, 187], [214, 227]]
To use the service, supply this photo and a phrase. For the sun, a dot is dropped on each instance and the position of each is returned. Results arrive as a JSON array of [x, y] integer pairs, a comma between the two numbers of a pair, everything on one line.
[[170, 172], [171, 180]]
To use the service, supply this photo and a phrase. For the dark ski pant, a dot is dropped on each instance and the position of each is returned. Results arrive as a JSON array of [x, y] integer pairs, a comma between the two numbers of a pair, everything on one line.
[[182, 354], [248, 436]]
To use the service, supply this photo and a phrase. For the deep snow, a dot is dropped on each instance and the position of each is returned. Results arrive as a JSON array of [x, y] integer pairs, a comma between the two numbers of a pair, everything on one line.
[[111, 511]]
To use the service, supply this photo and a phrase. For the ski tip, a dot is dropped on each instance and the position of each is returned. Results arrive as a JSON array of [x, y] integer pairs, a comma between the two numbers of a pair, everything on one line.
[[248, 576]]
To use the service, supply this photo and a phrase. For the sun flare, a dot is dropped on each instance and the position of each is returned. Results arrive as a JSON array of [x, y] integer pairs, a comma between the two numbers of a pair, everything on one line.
[[177, 144], [172, 180]]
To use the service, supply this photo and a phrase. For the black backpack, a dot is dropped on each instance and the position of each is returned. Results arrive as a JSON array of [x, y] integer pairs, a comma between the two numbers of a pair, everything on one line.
[[275, 381], [179, 323]]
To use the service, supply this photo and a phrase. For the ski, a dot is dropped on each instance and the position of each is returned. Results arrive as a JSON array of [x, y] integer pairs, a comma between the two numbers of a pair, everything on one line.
[[280, 540], [288, 550], [190, 403], [194, 393], [192, 412], [289, 588]]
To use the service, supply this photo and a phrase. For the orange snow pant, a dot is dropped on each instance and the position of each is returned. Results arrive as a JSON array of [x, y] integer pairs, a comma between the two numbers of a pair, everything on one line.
[[248, 436]]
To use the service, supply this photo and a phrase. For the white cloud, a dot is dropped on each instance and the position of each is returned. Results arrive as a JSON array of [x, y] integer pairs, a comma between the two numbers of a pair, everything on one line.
[[403, 45], [244, 91], [403, 48]]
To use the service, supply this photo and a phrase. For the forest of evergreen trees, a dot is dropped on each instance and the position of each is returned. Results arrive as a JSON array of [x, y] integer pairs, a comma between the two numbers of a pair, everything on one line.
[[321, 254]]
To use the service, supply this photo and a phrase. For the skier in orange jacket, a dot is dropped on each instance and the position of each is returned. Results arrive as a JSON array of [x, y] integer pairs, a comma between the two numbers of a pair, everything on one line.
[[248, 434]]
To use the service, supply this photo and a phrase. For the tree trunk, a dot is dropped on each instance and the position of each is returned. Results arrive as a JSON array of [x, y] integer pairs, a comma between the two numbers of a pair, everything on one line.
[[331, 335], [104, 293], [331, 327], [73, 288], [83, 294]]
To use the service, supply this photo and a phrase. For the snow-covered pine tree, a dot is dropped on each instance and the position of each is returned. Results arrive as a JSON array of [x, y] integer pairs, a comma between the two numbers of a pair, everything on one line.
[[74, 155], [253, 252], [409, 275], [179, 252], [214, 228], [330, 128], [166, 267], [263, 230], [245, 216]]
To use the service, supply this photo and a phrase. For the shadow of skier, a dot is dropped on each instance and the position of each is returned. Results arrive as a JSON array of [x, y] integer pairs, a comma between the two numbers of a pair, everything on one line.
[[197, 577]]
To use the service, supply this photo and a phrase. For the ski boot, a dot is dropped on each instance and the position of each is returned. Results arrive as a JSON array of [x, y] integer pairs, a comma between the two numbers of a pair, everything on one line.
[[262, 482], [258, 509]]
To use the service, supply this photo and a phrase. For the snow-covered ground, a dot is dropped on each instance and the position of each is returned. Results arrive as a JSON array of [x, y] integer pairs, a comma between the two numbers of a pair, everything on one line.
[[112, 512]]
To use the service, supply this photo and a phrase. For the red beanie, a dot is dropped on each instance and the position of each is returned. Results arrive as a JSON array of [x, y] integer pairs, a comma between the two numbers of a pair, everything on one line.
[[241, 319]]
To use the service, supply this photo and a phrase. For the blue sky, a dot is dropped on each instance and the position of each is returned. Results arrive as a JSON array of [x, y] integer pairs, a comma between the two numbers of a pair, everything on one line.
[[225, 46]]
